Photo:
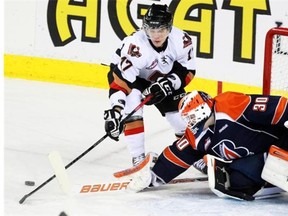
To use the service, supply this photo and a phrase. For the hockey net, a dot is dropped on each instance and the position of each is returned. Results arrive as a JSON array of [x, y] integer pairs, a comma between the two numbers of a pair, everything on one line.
[[275, 78]]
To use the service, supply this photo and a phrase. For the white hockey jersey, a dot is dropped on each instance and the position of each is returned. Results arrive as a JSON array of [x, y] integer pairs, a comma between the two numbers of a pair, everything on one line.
[[139, 59]]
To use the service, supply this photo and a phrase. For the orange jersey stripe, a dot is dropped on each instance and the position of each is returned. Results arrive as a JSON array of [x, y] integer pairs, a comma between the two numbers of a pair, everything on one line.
[[279, 110], [191, 138], [234, 104], [174, 159]]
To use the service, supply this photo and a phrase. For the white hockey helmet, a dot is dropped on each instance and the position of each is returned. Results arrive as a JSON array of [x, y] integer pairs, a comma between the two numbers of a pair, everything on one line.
[[195, 107]]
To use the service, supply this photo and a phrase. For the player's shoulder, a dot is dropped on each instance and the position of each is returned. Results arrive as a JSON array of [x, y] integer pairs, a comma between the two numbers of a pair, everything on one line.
[[176, 32], [180, 40], [232, 103], [231, 97], [135, 48], [138, 40], [230, 94]]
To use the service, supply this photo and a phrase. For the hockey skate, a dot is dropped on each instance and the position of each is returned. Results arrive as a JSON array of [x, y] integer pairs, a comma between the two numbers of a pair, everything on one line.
[[201, 166], [137, 160]]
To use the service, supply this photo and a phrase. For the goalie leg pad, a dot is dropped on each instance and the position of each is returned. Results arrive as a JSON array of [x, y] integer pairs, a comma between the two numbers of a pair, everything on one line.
[[246, 172], [231, 180], [219, 180], [275, 170]]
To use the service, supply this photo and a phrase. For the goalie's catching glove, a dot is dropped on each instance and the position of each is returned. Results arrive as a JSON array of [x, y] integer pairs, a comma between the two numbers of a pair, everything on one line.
[[159, 90], [113, 125]]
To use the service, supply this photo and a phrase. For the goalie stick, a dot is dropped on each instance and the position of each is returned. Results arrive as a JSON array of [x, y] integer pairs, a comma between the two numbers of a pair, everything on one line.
[[145, 100], [122, 185]]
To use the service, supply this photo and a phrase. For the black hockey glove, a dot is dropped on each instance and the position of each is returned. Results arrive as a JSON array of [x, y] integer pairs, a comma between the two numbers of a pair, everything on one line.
[[159, 90], [113, 125]]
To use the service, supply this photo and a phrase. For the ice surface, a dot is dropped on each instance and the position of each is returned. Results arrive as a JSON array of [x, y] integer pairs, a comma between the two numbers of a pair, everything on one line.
[[42, 117]]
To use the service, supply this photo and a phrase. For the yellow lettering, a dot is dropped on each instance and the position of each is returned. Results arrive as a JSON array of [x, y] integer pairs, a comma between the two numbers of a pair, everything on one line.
[[197, 18], [245, 26], [61, 13]]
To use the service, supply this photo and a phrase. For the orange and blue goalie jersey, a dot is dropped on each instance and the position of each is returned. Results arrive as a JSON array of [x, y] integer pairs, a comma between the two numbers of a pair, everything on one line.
[[244, 125]]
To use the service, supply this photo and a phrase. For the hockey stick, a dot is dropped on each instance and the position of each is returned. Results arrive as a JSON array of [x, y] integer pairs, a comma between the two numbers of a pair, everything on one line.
[[122, 185], [85, 152]]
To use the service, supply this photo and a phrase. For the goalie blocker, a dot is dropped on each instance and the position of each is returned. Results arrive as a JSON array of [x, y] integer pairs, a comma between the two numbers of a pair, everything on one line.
[[236, 180]]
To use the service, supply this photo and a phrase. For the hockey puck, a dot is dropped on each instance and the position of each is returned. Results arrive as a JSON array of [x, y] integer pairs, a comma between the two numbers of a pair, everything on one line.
[[63, 214], [29, 183]]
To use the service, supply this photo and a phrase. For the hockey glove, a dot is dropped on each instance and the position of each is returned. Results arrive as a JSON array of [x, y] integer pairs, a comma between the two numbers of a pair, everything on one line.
[[113, 125], [159, 90]]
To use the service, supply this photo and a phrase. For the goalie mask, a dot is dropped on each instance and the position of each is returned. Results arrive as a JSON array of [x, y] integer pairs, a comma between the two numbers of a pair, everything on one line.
[[195, 108]]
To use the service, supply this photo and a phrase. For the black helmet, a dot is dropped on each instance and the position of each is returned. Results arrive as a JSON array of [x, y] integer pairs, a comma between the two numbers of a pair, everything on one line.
[[157, 16]]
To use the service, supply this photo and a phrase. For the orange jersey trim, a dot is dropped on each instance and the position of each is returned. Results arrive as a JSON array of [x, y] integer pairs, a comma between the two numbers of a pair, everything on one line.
[[174, 159], [279, 110], [234, 104], [191, 138]]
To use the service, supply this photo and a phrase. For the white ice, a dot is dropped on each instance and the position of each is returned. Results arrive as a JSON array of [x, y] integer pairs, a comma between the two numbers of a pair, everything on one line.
[[42, 117]]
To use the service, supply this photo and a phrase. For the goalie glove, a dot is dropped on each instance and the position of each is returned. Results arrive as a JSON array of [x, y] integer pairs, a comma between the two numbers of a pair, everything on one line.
[[159, 90], [113, 125]]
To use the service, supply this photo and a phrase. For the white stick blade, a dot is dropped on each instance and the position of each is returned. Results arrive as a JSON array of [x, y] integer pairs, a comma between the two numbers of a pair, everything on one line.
[[60, 171]]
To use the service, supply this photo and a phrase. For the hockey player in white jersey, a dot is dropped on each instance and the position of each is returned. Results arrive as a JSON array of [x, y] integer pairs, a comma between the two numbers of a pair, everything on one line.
[[157, 60]]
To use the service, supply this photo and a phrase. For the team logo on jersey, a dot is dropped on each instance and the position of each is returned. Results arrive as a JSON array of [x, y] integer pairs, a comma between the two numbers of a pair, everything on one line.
[[134, 51], [186, 40], [226, 149]]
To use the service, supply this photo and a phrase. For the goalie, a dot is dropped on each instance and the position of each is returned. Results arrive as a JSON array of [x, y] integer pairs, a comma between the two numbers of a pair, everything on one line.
[[236, 131]]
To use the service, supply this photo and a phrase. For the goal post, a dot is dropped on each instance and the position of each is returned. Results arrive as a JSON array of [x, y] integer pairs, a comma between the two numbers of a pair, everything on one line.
[[275, 71]]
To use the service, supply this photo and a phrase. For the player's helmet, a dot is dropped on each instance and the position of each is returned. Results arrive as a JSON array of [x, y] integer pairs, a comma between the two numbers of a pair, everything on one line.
[[157, 16], [195, 107]]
